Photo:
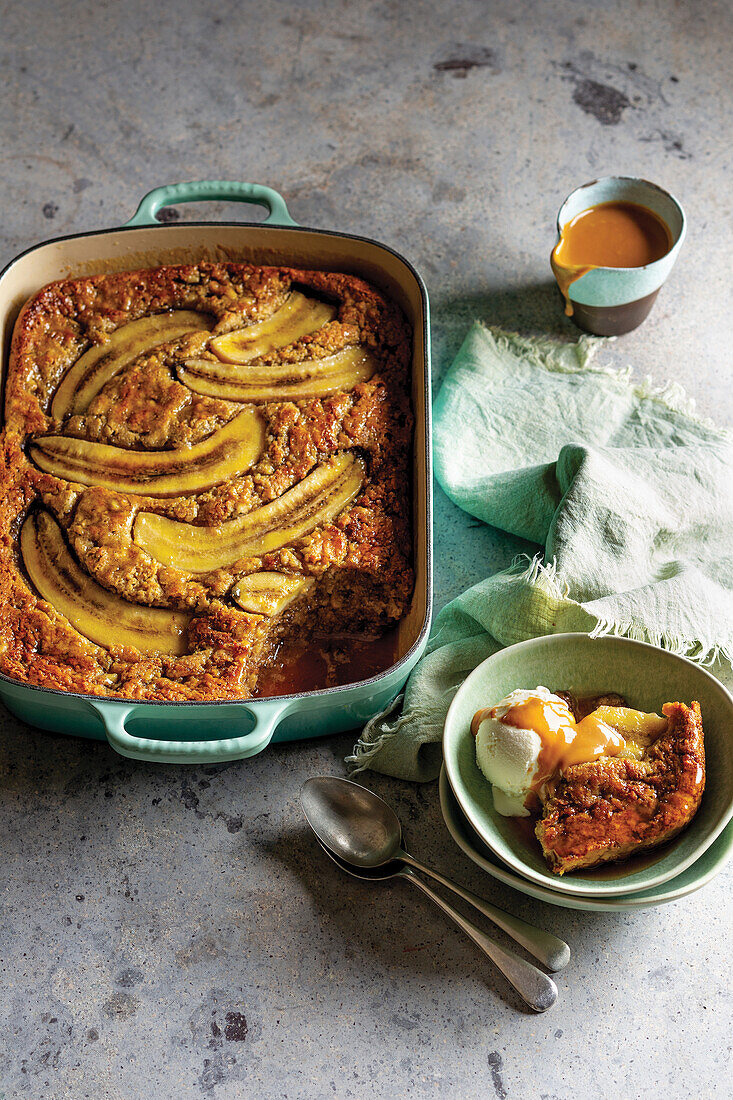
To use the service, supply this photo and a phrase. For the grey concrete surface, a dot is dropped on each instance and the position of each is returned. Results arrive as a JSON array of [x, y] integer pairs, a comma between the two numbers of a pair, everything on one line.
[[171, 932]]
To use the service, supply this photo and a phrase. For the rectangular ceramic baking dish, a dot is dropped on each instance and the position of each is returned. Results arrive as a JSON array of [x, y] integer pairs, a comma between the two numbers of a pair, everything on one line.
[[210, 732]]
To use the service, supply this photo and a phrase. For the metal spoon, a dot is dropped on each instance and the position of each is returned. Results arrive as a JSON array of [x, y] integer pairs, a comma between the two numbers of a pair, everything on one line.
[[534, 987], [361, 829]]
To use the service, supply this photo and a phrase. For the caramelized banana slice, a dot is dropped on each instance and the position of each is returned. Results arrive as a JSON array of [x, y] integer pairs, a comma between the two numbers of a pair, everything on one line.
[[91, 609], [269, 593], [296, 318], [317, 499], [635, 725], [85, 378], [281, 381], [230, 451]]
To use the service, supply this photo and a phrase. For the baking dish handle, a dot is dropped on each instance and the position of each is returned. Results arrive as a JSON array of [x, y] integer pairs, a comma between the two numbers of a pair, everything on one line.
[[265, 713], [210, 191]]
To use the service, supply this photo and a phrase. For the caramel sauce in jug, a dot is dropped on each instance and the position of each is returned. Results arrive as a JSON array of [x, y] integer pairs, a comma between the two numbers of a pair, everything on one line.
[[611, 234]]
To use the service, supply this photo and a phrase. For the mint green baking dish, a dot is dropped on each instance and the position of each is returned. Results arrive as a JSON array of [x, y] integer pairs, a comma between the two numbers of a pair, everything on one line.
[[200, 733]]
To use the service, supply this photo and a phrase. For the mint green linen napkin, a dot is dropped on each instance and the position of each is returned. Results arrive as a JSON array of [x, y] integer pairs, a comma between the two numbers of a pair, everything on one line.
[[628, 492]]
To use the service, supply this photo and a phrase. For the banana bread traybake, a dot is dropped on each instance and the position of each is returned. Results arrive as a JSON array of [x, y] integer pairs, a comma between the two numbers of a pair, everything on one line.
[[203, 465]]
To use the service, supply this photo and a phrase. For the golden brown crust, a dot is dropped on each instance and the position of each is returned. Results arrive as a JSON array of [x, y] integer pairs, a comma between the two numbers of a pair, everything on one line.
[[614, 807], [146, 408]]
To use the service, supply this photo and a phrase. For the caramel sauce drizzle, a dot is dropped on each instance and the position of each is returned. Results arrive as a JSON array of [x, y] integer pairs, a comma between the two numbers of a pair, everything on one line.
[[565, 742]]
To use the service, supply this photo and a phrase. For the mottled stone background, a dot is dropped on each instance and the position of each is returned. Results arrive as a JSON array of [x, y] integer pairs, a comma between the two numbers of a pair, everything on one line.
[[173, 932]]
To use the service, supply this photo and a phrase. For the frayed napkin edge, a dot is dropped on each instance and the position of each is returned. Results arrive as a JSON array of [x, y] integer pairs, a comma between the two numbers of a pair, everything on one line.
[[699, 650], [365, 748], [670, 395]]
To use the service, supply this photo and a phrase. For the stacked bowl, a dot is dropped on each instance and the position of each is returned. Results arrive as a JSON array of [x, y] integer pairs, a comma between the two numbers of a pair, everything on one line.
[[647, 677]]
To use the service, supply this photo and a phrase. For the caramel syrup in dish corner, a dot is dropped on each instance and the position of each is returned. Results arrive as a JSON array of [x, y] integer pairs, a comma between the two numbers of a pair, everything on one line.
[[325, 661], [611, 234]]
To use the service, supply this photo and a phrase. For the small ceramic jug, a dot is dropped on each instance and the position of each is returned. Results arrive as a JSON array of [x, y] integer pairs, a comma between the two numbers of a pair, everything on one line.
[[609, 301]]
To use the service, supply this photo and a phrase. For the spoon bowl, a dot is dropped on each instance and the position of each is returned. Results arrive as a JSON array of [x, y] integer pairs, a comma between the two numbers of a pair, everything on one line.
[[351, 821]]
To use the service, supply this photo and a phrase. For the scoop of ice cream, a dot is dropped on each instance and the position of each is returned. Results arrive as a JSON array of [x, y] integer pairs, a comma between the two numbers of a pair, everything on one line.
[[508, 755]]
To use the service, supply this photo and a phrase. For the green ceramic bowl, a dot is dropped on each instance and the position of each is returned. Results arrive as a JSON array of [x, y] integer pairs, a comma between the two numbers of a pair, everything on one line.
[[647, 677]]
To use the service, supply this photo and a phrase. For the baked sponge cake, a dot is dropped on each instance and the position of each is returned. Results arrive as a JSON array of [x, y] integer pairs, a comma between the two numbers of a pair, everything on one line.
[[200, 463], [616, 806]]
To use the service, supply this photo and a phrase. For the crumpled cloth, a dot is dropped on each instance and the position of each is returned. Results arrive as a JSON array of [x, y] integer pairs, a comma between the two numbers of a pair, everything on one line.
[[628, 493]]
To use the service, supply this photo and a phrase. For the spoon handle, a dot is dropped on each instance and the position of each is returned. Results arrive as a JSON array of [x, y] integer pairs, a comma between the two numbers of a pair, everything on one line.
[[534, 987], [551, 951]]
